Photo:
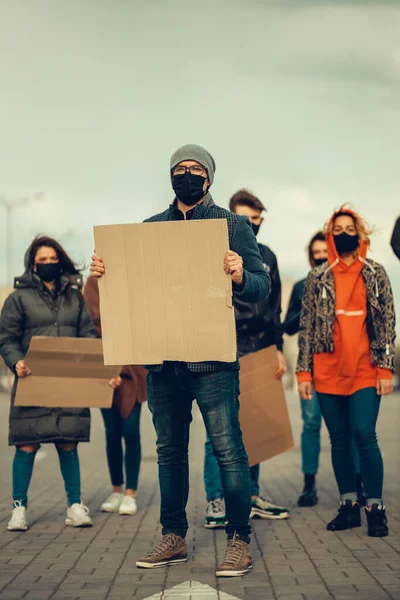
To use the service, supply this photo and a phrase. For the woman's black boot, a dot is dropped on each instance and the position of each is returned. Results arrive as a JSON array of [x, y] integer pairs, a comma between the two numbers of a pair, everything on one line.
[[377, 521], [347, 517], [308, 497]]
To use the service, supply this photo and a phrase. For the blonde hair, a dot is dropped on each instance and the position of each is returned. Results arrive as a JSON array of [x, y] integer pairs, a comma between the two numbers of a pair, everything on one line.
[[364, 230]]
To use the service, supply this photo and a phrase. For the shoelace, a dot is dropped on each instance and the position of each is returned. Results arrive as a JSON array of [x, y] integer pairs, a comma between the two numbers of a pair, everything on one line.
[[17, 504], [265, 499], [77, 506], [234, 551], [217, 506], [165, 543]]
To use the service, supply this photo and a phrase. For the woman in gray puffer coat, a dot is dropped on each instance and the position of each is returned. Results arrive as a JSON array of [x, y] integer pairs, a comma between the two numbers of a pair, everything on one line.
[[47, 301]]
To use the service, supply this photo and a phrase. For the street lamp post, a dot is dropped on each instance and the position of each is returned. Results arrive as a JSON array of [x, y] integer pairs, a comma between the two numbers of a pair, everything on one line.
[[9, 206]]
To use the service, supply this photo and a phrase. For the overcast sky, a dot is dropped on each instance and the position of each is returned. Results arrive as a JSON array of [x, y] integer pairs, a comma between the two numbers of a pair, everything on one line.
[[297, 100]]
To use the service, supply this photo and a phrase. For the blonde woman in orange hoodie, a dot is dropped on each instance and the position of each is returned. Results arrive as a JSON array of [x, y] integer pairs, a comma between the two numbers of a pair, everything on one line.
[[346, 351]]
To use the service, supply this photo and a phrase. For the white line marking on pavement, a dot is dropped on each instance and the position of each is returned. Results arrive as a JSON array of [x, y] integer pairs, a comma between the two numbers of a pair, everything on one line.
[[192, 590]]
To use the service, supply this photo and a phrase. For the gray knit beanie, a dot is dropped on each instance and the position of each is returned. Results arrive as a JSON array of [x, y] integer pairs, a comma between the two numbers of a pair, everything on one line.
[[197, 153]]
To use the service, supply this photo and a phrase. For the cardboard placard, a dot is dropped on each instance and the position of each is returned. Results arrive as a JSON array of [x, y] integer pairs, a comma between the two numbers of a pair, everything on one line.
[[264, 416], [165, 295], [66, 372]]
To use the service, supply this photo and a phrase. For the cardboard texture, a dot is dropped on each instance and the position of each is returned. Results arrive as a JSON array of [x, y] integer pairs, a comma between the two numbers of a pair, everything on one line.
[[264, 416], [165, 295], [66, 372]]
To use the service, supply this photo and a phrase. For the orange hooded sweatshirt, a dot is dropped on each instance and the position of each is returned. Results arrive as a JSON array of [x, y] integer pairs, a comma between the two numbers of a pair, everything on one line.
[[349, 368]]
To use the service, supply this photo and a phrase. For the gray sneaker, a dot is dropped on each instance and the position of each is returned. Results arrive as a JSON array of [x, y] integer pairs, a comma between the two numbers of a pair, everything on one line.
[[214, 515], [262, 508]]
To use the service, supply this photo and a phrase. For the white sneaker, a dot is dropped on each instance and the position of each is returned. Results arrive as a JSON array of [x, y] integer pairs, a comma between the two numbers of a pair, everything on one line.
[[18, 520], [78, 516], [128, 506], [112, 503], [263, 508]]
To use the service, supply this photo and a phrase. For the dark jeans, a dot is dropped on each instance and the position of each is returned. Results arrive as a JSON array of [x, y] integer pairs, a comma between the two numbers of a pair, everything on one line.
[[354, 416], [170, 395], [212, 475], [310, 437], [117, 428]]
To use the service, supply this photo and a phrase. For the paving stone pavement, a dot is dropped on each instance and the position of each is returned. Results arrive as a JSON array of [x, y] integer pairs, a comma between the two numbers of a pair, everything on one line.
[[295, 559]]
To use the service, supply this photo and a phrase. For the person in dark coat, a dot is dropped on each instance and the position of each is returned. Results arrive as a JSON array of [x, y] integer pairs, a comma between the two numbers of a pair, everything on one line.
[[47, 301], [122, 420], [317, 251], [258, 326], [395, 241], [173, 386]]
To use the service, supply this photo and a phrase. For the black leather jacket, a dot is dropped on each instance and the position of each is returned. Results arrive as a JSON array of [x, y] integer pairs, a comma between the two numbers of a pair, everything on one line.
[[259, 325]]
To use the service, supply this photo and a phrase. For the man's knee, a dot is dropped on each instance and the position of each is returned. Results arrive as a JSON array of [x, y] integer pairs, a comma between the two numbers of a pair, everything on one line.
[[312, 425], [228, 454]]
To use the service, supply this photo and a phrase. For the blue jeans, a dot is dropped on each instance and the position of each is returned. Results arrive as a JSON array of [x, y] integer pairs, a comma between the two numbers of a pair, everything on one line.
[[212, 475], [117, 428], [310, 437], [348, 418], [23, 469], [170, 396]]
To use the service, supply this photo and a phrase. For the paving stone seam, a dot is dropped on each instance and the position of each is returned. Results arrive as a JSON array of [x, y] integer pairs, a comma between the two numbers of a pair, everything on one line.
[[123, 557], [266, 568], [310, 558], [387, 542], [379, 584], [352, 553], [42, 549], [217, 587]]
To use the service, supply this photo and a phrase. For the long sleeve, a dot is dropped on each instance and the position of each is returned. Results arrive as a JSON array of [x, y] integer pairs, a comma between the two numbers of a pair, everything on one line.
[[92, 297], [389, 316], [395, 241], [307, 328], [256, 285], [11, 332], [291, 323], [86, 326], [275, 304]]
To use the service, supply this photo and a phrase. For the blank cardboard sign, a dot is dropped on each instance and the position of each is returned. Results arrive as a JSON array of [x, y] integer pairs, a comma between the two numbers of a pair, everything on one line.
[[264, 416], [165, 295], [66, 372]]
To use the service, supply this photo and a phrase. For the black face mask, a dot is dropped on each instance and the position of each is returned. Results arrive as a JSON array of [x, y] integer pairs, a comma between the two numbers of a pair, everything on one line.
[[319, 261], [256, 228], [346, 243], [188, 188], [48, 272]]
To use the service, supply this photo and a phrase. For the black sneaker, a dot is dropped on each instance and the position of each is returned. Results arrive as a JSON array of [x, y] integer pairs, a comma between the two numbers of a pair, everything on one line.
[[347, 517], [377, 521]]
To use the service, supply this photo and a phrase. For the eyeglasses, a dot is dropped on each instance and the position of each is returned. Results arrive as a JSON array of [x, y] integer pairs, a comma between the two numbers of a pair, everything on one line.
[[194, 170]]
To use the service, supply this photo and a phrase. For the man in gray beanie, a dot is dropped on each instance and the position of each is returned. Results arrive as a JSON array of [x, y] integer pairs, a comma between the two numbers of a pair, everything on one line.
[[173, 386]]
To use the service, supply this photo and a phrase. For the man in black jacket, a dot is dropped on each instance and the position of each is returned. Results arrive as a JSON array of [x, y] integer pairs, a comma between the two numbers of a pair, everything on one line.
[[258, 326], [215, 385]]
